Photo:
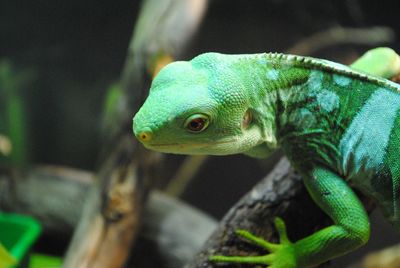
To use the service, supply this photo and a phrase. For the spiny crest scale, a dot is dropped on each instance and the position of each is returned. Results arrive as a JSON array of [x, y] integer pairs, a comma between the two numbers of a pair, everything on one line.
[[324, 65]]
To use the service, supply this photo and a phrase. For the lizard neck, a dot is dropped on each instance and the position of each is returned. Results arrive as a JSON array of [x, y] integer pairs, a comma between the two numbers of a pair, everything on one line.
[[272, 85]]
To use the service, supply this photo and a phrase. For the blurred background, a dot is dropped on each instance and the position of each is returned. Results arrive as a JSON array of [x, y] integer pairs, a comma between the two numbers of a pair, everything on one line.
[[58, 58]]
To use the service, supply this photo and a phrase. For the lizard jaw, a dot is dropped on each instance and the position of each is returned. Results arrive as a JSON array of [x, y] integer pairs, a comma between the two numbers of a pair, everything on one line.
[[211, 148]]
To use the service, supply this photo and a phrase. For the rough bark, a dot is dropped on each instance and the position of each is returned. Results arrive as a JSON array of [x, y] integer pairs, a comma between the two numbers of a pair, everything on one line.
[[277, 194], [53, 195], [335, 36], [388, 258], [173, 232], [113, 207], [281, 193]]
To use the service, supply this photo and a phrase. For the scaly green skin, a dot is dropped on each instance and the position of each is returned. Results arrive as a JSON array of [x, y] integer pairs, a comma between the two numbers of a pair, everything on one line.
[[336, 125]]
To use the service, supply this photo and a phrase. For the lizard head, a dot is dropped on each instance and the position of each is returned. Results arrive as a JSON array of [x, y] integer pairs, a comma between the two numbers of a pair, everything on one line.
[[197, 107]]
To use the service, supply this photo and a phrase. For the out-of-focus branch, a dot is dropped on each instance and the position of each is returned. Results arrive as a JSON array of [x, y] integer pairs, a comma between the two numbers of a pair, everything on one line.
[[185, 174], [339, 36], [51, 194], [5, 145], [386, 258], [162, 30], [282, 194], [114, 205], [277, 194]]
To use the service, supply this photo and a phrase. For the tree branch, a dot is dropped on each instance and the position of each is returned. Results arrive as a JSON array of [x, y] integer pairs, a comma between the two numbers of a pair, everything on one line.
[[113, 207], [51, 194], [372, 36]]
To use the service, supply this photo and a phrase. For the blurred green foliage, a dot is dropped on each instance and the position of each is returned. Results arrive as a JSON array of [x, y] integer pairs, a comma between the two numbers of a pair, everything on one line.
[[6, 259], [13, 130], [113, 95]]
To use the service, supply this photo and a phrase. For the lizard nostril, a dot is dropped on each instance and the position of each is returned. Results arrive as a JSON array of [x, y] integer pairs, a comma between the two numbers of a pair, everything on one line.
[[144, 136]]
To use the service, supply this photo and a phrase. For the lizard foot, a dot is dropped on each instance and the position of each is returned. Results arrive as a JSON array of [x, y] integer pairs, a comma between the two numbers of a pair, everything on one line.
[[281, 255]]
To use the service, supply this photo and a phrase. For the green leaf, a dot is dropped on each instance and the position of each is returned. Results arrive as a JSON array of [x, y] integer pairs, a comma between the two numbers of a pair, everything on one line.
[[6, 259]]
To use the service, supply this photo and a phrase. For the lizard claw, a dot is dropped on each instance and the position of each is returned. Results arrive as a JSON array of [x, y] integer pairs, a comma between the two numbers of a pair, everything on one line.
[[280, 255]]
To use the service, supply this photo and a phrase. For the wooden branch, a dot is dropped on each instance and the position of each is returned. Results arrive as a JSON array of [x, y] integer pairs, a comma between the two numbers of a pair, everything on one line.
[[111, 211], [114, 205], [177, 232], [372, 36], [279, 192], [163, 28], [388, 258], [282, 194], [51, 194], [185, 173], [5, 145]]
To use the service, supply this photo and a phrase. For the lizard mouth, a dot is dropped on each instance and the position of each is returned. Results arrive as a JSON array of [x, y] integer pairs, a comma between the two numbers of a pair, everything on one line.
[[190, 145]]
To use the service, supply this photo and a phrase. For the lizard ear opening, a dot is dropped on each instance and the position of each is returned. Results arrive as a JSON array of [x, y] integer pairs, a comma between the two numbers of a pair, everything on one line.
[[247, 119]]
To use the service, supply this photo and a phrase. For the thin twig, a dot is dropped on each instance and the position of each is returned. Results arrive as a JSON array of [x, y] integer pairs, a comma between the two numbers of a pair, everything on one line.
[[186, 172], [338, 36]]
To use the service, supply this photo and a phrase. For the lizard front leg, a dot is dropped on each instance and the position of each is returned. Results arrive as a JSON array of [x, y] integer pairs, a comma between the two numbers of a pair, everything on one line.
[[349, 231], [351, 224]]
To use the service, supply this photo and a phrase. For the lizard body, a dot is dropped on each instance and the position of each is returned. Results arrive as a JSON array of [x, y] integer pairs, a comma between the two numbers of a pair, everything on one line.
[[338, 127]]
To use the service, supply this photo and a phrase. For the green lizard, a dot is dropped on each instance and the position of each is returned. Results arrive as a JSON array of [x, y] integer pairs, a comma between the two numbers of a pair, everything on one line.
[[337, 126]]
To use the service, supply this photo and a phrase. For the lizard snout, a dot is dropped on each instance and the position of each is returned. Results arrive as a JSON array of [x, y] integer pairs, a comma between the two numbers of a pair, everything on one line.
[[143, 135]]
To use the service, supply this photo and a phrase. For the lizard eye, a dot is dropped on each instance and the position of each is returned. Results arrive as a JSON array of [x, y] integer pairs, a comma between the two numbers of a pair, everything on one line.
[[197, 123]]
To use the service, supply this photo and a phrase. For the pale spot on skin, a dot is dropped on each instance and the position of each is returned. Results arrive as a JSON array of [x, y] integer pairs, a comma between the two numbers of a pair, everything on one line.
[[341, 80], [262, 61], [315, 82], [363, 146], [273, 74], [328, 100]]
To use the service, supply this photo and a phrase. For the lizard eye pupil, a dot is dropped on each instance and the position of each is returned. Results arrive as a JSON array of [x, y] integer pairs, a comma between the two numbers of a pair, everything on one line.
[[196, 123]]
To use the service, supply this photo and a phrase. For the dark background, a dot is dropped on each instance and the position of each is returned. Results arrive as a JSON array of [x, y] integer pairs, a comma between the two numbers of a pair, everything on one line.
[[76, 50]]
